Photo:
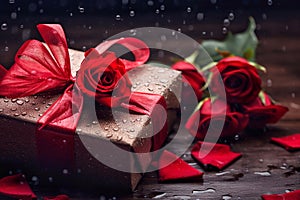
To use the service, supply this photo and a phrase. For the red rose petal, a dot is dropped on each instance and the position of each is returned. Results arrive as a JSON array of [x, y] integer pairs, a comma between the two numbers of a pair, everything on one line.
[[17, 187], [294, 195], [291, 142], [177, 170], [59, 197], [219, 155]]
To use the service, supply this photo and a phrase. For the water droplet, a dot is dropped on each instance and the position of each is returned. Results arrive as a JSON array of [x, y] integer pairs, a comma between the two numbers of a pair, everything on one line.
[[41, 10], [50, 179], [146, 84], [131, 13], [4, 27], [264, 16], [213, 1], [270, 2], [115, 128], [40, 114], [288, 190], [159, 195], [226, 197], [65, 171], [162, 7], [118, 17], [13, 15], [231, 16], [131, 130], [94, 122], [20, 102], [269, 83], [119, 138], [236, 137], [37, 109], [109, 135], [106, 128], [24, 113], [261, 160], [6, 49], [11, 1], [14, 100], [33, 103], [208, 190], [150, 3], [64, 141], [16, 114], [163, 80], [81, 9], [1, 110], [150, 89], [34, 179], [263, 173], [6, 100], [189, 9], [224, 30], [226, 22], [13, 109], [33, 72], [200, 16]]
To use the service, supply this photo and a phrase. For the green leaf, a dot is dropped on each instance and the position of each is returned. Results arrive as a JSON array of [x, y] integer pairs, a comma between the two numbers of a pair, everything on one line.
[[241, 44]]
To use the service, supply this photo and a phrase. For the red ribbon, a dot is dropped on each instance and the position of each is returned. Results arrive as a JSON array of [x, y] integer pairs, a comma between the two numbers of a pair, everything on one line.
[[38, 69]]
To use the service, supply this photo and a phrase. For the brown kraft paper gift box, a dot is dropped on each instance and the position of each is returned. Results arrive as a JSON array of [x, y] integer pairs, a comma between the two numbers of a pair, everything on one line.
[[19, 148]]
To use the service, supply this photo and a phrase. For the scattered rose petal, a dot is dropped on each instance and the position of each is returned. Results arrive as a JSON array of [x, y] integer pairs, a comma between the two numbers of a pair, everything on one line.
[[17, 187], [177, 170], [59, 197], [294, 195], [291, 142], [216, 155]]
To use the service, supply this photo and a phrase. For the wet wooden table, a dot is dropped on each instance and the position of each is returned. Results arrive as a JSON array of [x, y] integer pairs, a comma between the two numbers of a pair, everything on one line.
[[279, 51]]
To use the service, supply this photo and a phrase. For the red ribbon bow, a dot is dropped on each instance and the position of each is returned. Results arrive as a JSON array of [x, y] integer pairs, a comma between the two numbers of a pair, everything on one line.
[[40, 69]]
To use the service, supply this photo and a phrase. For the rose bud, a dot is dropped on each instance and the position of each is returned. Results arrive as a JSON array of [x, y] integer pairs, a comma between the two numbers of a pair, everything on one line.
[[193, 81], [104, 77], [263, 111], [233, 122], [240, 79]]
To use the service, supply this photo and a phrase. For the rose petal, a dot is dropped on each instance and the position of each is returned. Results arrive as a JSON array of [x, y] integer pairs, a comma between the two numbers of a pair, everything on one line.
[[291, 142], [17, 187], [59, 197], [294, 195], [177, 170], [216, 155]]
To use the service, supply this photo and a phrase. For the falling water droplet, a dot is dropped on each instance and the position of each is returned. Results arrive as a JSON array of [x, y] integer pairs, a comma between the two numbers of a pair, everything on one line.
[[224, 30], [226, 22], [81, 9], [231, 16], [37, 109], [269, 83], [65, 171], [50, 179], [94, 122], [11, 1], [118, 17], [4, 27], [189, 9], [270, 2], [162, 7], [13, 15], [200, 16], [131, 13]]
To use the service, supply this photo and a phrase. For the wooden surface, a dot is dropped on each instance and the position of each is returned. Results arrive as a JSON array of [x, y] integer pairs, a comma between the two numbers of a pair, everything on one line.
[[279, 51]]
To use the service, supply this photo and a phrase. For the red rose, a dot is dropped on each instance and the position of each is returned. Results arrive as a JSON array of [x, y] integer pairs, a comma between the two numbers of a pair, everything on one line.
[[263, 111], [192, 77], [241, 80], [104, 77], [199, 122]]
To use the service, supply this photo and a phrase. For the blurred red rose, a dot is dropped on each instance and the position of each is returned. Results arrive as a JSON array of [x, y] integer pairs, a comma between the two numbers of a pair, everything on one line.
[[241, 80], [192, 83], [233, 122], [104, 77], [263, 111]]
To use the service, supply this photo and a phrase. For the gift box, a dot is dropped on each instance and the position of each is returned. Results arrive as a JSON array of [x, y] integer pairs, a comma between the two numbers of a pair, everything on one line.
[[53, 156]]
